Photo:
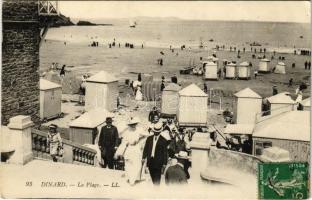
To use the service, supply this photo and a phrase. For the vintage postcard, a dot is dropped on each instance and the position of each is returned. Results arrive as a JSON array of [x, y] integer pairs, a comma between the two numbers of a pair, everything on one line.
[[155, 99]]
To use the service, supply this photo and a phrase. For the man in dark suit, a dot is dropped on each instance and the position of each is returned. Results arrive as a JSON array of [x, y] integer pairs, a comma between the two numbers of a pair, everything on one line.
[[155, 152], [108, 143], [175, 174]]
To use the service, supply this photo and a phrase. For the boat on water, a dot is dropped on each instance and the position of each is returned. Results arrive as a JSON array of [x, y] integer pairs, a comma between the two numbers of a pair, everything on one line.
[[132, 24], [255, 44], [211, 40]]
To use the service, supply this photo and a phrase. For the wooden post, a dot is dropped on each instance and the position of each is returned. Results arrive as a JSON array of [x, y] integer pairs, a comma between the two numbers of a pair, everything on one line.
[[20, 130]]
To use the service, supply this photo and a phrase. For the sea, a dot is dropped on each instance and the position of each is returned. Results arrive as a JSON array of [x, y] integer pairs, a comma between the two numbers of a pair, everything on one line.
[[279, 36]]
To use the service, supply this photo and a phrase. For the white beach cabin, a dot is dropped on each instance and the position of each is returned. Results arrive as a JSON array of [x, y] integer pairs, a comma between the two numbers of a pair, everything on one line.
[[247, 105], [289, 130], [192, 106], [280, 68], [244, 70], [50, 99], [280, 103], [84, 129], [230, 70], [264, 66], [101, 91], [211, 70], [170, 99]]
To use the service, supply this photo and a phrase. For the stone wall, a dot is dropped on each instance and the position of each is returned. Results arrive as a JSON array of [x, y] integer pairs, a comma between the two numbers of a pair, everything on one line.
[[20, 60]]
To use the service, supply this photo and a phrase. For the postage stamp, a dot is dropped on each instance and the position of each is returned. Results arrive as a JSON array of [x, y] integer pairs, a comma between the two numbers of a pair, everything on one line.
[[283, 180]]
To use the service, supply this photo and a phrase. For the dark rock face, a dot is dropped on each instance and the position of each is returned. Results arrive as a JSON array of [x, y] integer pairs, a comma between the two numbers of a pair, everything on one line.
[[20, 60]]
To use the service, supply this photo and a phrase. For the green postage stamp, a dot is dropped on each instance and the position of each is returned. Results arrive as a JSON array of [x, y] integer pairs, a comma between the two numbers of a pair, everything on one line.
[[283, 180]]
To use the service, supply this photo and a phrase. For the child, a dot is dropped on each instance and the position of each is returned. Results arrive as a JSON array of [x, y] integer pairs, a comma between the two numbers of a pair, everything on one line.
[[54, 141]]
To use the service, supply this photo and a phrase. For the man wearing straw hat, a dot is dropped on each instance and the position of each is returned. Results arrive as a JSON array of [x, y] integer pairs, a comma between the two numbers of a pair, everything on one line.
[[175, 174], [108, 143], [155, 153]]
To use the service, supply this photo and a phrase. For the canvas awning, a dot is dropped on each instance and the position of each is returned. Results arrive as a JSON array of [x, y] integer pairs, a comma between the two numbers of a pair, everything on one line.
[[244, 64], [192, 90], [47, 85], [91, 119], [246, 129], [247, 93], [102, 77], [281, 98]]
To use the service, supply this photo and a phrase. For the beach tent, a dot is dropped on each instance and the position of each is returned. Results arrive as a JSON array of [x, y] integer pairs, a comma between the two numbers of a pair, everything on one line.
[[84, 129], [50, 99], [151, 90], [280, 68], [280, 103], [230, 70], [101, 91], [147, 77], [244, 70], [305, 104], [247, 104], [169, 99], [264, 66], [70, 82], [192, 109], [211, 70]]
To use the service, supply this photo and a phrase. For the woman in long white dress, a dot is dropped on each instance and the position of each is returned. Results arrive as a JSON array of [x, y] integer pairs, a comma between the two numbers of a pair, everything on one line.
[[131, 148]]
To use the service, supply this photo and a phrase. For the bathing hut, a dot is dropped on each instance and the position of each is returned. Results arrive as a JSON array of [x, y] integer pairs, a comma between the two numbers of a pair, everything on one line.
[[230, 70], [289, 130], [280, 103], [211, 70], [192, 109], [280, 68], [50, 99], [264, 66], [84, 129], [247, 105], [244, 70], [169, 99], [305, 104], [151, 90], [101, 91]]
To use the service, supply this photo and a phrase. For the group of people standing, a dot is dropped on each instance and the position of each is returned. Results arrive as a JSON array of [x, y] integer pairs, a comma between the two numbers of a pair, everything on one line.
[[162, 149]]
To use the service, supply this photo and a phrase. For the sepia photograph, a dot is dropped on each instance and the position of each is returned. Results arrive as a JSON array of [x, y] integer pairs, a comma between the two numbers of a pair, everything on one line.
[[155, 99]]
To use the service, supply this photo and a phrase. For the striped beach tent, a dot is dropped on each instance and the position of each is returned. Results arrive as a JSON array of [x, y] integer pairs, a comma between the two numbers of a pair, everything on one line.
[[151, 90]]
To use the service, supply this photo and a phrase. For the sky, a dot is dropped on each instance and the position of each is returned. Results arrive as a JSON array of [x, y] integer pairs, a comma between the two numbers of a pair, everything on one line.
[[287, 11]]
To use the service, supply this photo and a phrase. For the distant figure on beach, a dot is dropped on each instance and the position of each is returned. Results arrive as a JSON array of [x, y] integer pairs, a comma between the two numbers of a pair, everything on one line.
[[142, 46], [274, 52], [293, 65], [290, 82], [161, 62], [110, 45], [65, 43], [309, 65], [305, 65], [139, 95], [255, 74], [140, 77], [54, 142], [274, 90], [244, 49], [62, 72], [174, 79], [162, 53], [162, 86], [163, 78], [205, 88], [119, 45]]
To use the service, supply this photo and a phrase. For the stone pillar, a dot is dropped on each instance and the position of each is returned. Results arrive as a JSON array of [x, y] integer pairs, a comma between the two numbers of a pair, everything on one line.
[[20, 132], [200, 147]]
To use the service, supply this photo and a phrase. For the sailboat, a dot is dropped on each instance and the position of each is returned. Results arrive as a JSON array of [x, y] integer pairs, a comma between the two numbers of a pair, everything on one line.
[[132, 24]]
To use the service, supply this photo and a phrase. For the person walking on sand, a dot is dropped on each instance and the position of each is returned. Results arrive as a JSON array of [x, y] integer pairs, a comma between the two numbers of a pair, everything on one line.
[[155, 154], [54, 142], [108, 142], [274, 90], [305, 65], [255, 74], [309, 65], [131, 149], [174, 79], [62, 72], [175, 174]]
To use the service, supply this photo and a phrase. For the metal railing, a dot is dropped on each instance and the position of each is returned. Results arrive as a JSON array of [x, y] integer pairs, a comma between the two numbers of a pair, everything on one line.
[[48, 8]]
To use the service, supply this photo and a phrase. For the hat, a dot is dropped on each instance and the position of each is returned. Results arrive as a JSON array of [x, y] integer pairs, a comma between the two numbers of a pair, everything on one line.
[[53, 126], [157, 127], [133, 121], [109, 119], [181, 155]]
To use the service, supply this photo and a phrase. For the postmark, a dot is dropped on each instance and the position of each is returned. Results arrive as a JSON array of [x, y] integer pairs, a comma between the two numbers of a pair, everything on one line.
[[283, 180]]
